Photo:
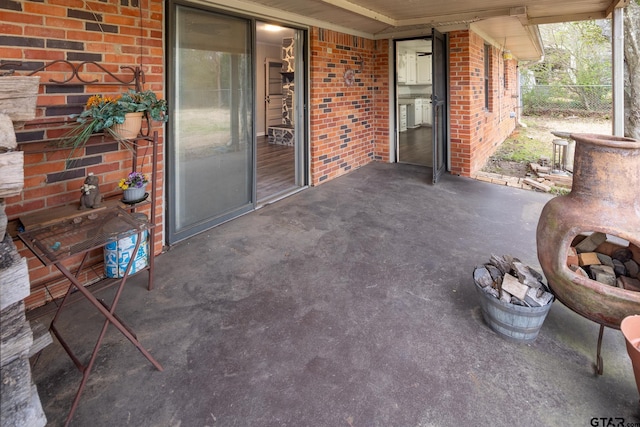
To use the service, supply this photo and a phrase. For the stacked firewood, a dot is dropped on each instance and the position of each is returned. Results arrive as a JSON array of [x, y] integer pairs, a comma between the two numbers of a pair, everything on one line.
[[542, 177], [19, 401], [509, 280], [606, 260]]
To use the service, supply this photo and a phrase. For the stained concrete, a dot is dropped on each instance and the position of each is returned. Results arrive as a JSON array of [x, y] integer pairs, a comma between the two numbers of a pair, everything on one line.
[[347, 304]]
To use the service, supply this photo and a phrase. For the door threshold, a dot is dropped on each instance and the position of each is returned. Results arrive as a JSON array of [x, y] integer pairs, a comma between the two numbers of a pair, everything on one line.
[[278, 196]]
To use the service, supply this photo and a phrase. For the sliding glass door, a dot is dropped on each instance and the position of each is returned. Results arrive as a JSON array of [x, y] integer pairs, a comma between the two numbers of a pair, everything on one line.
[[210, 154]]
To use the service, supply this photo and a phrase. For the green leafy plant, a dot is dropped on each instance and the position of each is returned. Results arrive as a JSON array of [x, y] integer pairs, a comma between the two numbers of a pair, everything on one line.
[[145, 101], [102, 112]]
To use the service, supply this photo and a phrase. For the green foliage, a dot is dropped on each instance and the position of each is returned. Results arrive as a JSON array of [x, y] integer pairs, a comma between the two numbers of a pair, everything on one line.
[[145, 101], [576, 53], [102, 112]]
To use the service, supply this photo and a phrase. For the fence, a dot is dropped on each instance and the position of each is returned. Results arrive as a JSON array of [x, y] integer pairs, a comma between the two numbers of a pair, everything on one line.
[[576, 99]]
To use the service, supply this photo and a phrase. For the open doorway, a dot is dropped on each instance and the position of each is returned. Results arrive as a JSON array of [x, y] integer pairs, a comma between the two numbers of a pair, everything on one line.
[[413, 89], [278, 135], [422, 108]]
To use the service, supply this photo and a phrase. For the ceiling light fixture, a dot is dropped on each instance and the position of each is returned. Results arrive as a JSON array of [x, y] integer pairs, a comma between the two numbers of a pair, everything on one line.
[[273, 28]]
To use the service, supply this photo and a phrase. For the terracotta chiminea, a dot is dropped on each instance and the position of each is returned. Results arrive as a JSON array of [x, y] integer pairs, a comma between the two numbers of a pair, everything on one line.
[[605, 198], [630, 328]]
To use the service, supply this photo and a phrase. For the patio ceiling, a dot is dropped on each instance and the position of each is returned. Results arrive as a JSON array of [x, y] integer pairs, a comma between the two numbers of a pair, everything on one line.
[[509, 24]]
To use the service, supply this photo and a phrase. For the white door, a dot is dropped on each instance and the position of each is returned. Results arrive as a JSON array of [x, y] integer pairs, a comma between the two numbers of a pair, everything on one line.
[[273, 92]]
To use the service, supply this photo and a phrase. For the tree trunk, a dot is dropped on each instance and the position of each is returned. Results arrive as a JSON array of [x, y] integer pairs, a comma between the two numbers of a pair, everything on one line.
[[632, 69]]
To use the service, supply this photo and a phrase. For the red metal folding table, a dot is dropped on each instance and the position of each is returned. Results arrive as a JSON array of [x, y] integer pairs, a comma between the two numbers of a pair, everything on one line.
[[71, 237]]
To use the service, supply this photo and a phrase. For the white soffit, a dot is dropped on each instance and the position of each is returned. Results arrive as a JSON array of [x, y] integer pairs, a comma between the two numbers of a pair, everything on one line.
[[510, 20]]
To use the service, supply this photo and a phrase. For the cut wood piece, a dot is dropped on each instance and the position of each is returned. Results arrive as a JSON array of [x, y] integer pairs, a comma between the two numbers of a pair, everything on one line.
[[3, 219], [558, 179], [538, 297], [536, 184], [579, 271], [41, 337], [539, 169], [14, 283], [632, 268], [15, 336], [635, 250], [629, 283], [572, 256], [608, 248], [15, 391], [579, 238], [18, 96], [603, 274], [591, 242], [11, 173], [588, 258], [527, 276], [7, 134], [514, 287]]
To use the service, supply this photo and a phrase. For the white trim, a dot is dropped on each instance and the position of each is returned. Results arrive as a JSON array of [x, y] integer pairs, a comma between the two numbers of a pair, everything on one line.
[[362, 11], [617, 63], [266, 13], [393, 119]]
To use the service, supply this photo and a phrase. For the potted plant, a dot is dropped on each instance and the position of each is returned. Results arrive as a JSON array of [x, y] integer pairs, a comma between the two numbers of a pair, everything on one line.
[[110, 114], [133, 187]]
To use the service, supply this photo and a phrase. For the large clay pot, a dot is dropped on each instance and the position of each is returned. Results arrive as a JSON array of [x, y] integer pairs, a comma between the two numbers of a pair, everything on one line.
[[605, 197], [630, 328]]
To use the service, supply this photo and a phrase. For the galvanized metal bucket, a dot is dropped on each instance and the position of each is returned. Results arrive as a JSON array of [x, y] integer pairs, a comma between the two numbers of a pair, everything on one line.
[[512, 322]]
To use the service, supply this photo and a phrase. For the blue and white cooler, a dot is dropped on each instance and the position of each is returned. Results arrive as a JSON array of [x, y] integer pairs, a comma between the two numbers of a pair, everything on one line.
[[117, 254]]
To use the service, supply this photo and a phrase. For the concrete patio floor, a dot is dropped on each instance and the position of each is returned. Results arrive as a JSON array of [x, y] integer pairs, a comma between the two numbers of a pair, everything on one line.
[[348, 304]]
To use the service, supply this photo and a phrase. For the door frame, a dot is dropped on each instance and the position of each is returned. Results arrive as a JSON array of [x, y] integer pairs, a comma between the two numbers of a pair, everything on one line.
[[267, 69], [395, 113], [302, 136], [440, 105]]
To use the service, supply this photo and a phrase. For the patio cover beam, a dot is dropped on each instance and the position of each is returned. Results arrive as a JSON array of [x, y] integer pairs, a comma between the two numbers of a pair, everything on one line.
[[362, 11]]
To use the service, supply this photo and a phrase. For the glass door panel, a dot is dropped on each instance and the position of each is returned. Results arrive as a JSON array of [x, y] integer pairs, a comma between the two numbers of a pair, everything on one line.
[[211, 152]]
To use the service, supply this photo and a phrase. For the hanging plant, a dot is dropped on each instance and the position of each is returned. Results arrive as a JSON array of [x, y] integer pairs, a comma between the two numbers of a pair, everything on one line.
[[103, 112]]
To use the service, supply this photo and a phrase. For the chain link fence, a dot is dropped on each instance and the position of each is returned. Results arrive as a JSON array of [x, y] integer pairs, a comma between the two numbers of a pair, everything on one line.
[[579, 100]]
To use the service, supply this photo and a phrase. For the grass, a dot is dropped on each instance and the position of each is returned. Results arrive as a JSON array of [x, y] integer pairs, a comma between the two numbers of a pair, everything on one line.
[[522, 148]]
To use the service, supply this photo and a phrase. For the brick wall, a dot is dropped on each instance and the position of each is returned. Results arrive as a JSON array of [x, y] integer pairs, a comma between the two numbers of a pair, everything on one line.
[[348, 123], [382, 107], [114, 34], [475, 131]]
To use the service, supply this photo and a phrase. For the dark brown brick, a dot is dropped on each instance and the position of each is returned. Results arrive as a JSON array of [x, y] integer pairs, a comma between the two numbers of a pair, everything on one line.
[[101, 148], [77, 56], [64, 44], [64, 89], [82, 14], [21, 41], [84, 161], [63, 110], [66, 175], [29, 136], [102, 28], [10, 5]]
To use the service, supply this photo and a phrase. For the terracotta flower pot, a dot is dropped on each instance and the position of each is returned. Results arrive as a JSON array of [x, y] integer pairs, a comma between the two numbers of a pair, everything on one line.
[[130, 128], [630, 328], [604, 198]]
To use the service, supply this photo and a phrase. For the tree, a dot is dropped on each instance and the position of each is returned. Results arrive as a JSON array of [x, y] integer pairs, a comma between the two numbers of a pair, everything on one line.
[[577, 56], [632, 69]]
